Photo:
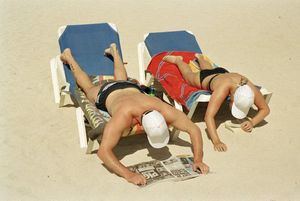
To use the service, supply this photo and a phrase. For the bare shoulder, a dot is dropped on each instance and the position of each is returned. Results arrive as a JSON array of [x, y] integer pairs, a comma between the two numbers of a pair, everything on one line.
[[222, 88], [164, 107], [254, 88], [120, 122], [170, 113], [259, 100]]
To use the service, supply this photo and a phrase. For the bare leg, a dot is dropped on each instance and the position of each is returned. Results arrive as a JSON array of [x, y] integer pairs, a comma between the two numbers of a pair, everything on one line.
[[204, 62], [119, 69], [81, 78], [191, 77]]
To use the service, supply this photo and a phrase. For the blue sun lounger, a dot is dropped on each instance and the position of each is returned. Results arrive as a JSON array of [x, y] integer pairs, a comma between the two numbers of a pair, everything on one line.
[[87, 43], [157, 42]]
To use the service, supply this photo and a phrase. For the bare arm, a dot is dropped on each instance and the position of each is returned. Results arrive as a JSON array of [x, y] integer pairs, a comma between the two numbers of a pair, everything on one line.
[[112, 133], [180, 121], [215, 102], [263, 109]]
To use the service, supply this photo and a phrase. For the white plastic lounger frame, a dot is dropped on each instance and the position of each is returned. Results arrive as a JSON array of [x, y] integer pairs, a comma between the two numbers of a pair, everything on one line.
[[146, 79], [61, 90]]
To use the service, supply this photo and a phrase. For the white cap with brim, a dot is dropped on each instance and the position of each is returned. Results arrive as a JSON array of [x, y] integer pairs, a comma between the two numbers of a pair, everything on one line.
[[243, 101], [156, 129]]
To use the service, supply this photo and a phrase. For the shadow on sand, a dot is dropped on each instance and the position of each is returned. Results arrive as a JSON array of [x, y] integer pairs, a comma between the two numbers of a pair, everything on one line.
[[132, 144], [224, 114]]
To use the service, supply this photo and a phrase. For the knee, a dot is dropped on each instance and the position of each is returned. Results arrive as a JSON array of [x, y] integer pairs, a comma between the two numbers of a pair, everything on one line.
[[92, 93], [191, 79], [91, 97], [100, 153], [103, 153]]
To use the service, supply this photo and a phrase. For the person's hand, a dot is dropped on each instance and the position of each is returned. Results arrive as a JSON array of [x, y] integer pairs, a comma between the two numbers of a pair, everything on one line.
[[247, 126], [136, 179], [220, 146], [201, 166]]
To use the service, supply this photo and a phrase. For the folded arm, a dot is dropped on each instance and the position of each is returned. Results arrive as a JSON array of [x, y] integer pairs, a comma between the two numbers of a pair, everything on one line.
[[215, 102], [180, 121], [263, 110], [111, 136]]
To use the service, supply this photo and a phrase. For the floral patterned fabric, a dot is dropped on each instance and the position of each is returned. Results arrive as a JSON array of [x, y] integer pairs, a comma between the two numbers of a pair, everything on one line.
[[96, 118]]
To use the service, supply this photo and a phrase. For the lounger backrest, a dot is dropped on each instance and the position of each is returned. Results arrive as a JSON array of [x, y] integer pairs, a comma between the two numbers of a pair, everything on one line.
[[171, 41], [88, 43]]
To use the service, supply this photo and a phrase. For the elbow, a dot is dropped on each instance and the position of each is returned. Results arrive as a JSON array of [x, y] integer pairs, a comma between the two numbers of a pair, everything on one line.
[[101, 153], [207, 118], [195, 129], [190, 82]]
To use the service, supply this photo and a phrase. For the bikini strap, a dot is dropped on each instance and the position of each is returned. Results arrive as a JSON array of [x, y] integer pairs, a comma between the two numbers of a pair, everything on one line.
[[211, 79]]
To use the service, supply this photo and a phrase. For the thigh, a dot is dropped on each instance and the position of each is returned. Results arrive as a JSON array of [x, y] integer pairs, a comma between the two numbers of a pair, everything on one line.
[[92, 93], [194, 79], [120, 74], [205, 63]]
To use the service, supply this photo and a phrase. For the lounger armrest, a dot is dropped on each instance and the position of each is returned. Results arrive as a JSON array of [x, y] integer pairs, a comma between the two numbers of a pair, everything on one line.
[[267, 94], [203, 98], [61, 88], [144, 60]]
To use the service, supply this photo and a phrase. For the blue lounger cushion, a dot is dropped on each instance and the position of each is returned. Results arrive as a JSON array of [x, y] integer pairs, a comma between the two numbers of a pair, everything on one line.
[[171, 41], [87, 43]]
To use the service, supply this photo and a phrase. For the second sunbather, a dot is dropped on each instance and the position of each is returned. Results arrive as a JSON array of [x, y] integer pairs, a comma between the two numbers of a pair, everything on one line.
[[243, 94]]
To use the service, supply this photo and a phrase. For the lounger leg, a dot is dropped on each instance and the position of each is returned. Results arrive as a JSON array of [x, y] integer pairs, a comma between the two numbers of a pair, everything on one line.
[[65, 97], [167, 99], [149, 80], [54, 75], [142, 76], [90, 146], [81, 127], [144, 60], [61, 88], [192, 110], [62, 100], [268, 97], [178, 106], [174, 134]]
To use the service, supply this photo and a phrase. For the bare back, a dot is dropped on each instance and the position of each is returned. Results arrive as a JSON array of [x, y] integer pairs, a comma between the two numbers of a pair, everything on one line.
[[228, 79], [133, 102]]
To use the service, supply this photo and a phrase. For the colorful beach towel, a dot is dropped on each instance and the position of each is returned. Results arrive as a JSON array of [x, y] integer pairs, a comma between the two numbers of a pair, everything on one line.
[[170, 77]]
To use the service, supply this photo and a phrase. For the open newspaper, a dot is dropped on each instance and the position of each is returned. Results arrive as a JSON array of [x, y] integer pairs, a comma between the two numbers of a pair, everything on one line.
[[175, 168]]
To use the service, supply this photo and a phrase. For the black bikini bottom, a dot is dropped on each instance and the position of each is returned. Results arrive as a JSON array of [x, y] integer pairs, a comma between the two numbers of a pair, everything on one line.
[[108, 88], [207, 72]]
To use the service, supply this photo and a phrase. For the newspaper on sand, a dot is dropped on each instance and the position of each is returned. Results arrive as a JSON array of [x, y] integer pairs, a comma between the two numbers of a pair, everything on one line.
[[175, 168]]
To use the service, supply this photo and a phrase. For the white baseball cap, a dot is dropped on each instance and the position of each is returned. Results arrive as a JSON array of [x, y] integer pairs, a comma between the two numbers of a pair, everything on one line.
[[242, 102], [156, 128]]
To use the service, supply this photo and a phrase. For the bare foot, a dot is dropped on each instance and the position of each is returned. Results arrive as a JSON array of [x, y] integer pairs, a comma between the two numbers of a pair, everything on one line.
[[172, 59], [111, 50], [200, 56], [204, 61], [66, 55]]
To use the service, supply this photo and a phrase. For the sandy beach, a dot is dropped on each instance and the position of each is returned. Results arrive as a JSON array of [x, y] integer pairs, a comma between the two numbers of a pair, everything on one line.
[[40, 157]]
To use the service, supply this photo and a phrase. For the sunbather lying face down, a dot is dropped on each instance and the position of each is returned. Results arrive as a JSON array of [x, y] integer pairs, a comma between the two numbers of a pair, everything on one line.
[[128, 105], [243, 94]]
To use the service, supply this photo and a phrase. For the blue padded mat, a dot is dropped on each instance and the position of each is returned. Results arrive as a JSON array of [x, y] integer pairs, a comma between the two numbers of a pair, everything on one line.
[[87, 43], [171, 41]]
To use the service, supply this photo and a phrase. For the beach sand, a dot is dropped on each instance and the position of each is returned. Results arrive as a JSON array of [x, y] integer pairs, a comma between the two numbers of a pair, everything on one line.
[[40, 157]]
